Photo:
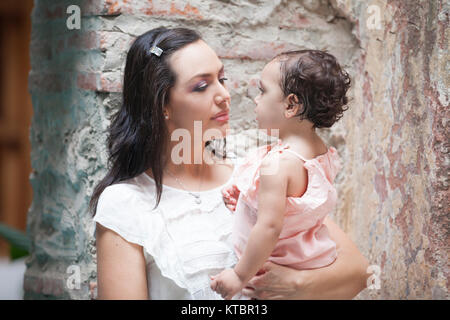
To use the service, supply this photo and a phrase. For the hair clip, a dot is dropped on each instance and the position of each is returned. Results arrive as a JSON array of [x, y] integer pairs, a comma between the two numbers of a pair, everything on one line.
[[156, 50]]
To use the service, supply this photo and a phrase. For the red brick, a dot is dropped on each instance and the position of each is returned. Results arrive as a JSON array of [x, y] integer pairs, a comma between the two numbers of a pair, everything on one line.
[[88, 81], [92, 7], [119, 40], [84, 40], [115, 7], [110, 85]]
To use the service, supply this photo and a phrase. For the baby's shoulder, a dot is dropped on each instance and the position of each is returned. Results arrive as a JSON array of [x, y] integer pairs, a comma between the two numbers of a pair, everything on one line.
[[280, 165], [291, 170], [284, 158]]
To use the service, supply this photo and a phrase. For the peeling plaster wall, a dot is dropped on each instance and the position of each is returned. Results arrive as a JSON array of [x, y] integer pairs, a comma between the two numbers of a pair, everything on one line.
[[396, 198], [393, 189]]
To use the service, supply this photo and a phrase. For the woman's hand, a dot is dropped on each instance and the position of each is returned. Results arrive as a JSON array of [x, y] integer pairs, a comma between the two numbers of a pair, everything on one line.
[[343, 279], [273, 282], [230, 196]]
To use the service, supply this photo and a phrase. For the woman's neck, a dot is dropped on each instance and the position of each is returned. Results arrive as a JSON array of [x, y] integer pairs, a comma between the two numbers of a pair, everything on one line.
[[197, 163]]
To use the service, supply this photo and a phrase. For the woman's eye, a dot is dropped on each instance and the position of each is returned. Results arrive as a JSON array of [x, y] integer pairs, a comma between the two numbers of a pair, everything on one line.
[[261, 89], [201, 87]]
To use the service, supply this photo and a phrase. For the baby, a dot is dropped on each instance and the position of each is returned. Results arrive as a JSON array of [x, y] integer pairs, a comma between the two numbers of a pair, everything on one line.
[[282, 192]]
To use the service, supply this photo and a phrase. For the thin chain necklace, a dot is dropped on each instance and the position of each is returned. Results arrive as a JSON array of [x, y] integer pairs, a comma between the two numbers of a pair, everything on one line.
[[198, 200]]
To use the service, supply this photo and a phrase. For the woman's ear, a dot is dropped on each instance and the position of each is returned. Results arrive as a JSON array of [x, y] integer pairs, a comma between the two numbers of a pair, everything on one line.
[[292, 106], [166, 115], [166, 112]]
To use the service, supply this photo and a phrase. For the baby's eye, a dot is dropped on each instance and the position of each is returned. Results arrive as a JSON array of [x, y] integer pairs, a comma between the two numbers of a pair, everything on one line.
[[222, 80], [261, 89]]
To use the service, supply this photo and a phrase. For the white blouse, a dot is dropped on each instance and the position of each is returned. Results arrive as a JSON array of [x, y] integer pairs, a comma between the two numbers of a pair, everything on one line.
[[183, 242]]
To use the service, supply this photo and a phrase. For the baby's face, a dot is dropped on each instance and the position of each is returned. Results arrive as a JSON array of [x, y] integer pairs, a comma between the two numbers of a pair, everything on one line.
[[270, 101]]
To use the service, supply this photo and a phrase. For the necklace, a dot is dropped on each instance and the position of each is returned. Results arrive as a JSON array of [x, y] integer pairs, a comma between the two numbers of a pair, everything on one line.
[[196, 196]]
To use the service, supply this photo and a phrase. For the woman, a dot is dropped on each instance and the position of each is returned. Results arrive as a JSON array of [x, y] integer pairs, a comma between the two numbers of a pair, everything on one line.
[[162, 228]]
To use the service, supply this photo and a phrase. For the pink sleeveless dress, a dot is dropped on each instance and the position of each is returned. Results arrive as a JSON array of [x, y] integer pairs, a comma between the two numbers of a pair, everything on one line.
[[304, 242]]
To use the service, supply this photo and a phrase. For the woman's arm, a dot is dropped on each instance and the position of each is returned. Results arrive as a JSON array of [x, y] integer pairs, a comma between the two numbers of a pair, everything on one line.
[[343, 279], [121, 272]]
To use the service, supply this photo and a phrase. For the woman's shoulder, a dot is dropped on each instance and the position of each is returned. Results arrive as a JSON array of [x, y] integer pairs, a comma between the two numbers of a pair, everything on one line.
[[131, 195], [124, 187], [120, 209], [122, 191]]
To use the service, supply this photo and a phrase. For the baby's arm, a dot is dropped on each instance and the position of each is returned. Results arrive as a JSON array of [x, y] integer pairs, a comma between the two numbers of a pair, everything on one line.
[[264, 235], [271, 208]]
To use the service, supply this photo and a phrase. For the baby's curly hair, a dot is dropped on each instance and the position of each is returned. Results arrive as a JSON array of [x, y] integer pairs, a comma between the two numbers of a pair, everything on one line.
[[319, 83]]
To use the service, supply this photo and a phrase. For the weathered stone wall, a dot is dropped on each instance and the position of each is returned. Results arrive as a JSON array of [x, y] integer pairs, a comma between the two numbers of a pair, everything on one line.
[[396, 199], [395, 178]]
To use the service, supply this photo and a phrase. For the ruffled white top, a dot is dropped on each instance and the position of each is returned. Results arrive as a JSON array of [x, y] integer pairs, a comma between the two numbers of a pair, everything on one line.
[[183, 242]]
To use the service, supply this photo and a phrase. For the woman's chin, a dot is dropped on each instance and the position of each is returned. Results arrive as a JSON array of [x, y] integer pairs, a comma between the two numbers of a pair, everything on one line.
[[223, 128]]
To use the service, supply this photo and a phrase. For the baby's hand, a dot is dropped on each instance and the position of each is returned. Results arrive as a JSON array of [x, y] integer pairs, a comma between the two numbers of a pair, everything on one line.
[[230, 196], [227, 283]]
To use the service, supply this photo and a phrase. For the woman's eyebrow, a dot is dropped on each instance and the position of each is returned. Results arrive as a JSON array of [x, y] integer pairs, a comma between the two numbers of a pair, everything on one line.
[[207, 74]]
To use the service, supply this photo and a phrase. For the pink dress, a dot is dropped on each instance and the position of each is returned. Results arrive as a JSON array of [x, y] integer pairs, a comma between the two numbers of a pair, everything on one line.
[[304, 242]]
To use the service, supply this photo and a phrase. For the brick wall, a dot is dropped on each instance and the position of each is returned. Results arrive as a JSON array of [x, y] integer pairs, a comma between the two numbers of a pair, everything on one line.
[[391, 190]]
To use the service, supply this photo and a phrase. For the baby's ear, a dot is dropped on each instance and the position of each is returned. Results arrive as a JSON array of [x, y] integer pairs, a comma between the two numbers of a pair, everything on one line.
[[292, 99], [293, 105]]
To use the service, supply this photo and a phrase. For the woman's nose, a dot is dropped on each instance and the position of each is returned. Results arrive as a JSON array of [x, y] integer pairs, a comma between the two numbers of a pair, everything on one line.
[[223, 96], [219, 100]]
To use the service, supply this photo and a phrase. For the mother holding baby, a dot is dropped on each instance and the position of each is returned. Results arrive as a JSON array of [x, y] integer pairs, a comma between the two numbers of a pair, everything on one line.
[[162, 227]]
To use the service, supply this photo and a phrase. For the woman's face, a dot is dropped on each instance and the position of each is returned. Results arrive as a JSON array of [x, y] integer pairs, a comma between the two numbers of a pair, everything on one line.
[[199, 93], [270, 101]]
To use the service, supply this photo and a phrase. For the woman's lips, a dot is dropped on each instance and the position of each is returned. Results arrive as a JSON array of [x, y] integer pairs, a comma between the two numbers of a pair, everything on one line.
[[223, 117]]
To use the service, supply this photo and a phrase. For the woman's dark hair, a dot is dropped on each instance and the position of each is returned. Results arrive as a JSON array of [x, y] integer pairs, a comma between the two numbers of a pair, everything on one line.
[[138, 135], [319, 83]]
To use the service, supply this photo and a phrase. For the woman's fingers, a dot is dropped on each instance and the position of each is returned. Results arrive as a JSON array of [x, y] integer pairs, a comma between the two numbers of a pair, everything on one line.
[[230, 207], [235, 191], [256, 281], [230, 200], [226, 195], [249, 292]]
